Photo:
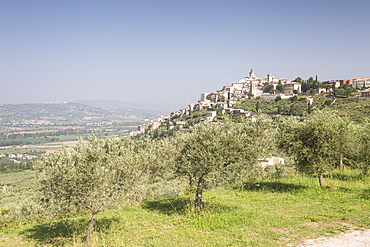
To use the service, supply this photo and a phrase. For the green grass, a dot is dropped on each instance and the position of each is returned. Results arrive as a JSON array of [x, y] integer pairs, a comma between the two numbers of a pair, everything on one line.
[[269, 213]]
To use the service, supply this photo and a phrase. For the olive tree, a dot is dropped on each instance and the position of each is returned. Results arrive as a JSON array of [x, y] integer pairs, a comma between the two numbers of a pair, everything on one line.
[[362, 146], [93, 174], [211, 148], [317, 143]]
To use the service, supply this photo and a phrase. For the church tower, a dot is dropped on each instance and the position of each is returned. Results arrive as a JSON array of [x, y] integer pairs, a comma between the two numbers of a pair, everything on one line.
[[251, 74]]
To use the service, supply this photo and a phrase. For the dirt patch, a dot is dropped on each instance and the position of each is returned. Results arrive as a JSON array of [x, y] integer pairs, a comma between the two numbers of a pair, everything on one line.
[[359, 238]]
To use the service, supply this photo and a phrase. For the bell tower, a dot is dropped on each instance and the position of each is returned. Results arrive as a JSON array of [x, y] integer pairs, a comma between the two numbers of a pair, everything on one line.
[[251, 74]]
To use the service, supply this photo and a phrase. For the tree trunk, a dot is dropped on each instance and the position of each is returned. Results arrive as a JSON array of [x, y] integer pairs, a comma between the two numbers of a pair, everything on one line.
[[341, 164], [90, 227], [321, 179], [190, 181], [296, 167], [365, 170], [198, 195]]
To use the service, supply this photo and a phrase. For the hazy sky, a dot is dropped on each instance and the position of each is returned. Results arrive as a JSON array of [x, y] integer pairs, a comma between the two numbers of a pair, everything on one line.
[[171, 51]]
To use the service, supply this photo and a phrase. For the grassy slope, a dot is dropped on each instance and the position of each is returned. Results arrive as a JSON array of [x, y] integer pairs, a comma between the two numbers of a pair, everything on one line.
[[270, 213]]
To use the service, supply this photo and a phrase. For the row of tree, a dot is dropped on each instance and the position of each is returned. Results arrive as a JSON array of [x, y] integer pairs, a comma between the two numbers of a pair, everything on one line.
[[10, 136], [7, 165], [98, 172]]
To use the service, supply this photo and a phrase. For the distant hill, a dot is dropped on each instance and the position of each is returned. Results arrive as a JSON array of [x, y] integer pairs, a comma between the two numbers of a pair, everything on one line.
[[67, 111], [116, 104], [62, 110]]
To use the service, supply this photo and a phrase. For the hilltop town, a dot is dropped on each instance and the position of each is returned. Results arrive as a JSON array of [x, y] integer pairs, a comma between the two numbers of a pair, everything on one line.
[[252, 87]]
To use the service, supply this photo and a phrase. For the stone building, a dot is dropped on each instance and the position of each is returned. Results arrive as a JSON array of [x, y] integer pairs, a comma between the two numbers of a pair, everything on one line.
[[361, 82]]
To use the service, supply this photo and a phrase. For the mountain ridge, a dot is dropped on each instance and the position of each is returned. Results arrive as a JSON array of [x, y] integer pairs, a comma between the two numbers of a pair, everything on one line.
[[164, 108], [67, 111]]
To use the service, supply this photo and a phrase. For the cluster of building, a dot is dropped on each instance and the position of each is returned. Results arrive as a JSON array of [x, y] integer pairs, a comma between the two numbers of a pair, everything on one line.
[[148, 126], [363, 82], [252, 86], [227, 96], [18, 157]]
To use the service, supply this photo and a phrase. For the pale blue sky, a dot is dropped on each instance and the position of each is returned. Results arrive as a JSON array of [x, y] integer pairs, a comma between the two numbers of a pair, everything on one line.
[[172, 51]]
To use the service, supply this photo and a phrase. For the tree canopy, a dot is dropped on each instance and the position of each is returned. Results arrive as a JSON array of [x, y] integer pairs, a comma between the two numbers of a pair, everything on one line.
[[93, 174], [211, 148], [317, 142]]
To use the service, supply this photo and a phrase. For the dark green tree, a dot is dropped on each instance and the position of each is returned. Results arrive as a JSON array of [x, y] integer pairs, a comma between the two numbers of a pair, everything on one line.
[[280, 86], [269, 89], [298, 79], [309, 108], [293, 99], [250, 95], [221, 99]]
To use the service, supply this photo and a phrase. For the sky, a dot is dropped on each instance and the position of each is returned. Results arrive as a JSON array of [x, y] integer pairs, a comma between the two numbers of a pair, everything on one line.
[[171, 51]]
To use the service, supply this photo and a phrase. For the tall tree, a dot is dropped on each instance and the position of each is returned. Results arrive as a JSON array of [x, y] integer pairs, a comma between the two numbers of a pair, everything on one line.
[[298, 79], [280, 86]]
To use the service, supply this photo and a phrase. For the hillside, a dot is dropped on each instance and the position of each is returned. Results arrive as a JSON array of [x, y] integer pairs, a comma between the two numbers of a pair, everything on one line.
[[352, 107]]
